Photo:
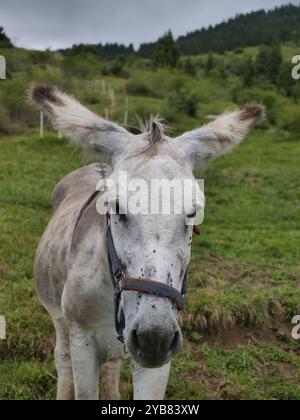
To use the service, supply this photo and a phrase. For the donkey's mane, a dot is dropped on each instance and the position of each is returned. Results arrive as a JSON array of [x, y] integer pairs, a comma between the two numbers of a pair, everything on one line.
[[154, 131]]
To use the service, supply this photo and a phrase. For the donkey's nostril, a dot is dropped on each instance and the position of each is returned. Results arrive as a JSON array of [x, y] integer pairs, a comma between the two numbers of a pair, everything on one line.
[[134, 339], [156, 340]]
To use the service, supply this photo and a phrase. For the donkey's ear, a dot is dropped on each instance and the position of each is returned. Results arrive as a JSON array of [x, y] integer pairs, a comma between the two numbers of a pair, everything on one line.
[[93, 133], [221, 136]]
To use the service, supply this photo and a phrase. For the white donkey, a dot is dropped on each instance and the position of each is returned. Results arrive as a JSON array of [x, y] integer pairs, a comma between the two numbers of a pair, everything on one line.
[[76, 275]]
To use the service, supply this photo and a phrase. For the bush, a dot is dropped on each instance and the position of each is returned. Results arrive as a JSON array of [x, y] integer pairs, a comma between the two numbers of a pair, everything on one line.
[[238, 50], [4, 121], [141, 110], [169, 114], [92, 98], [269, 99], [138, 87], [183, 100], [188, 67], [296, 91], [117, 68], [291, 120]]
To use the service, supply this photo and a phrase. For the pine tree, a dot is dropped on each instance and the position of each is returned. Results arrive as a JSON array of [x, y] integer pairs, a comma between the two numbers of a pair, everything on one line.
[[285, 81], [5, 42], [248, 72], [166, 53], [262, 61], [210, 64], [245, 30], [189, 67], [275, 61]]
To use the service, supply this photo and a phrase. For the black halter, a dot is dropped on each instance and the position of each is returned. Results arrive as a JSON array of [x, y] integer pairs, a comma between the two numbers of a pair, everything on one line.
[[122, 282]]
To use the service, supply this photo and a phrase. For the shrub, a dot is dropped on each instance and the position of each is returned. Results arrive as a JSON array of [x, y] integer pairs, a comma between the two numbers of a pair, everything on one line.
[[116, 68], [291, 120], [188, 67], [138, 87], [4, 121], [242, 96], [183, 100], [169, 114]]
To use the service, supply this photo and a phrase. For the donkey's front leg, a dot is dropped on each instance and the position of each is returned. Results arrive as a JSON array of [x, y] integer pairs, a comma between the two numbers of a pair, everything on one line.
[[86, 364], [150, 384]]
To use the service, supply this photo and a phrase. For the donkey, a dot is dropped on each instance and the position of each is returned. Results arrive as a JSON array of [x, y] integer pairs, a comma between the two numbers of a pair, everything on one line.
[[73, 270]]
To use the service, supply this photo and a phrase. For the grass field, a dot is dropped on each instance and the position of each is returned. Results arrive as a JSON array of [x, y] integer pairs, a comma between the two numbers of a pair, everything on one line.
[[243, 284]]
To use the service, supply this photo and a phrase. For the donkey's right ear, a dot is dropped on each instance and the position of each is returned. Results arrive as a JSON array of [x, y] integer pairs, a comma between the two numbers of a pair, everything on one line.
[[86, 129]]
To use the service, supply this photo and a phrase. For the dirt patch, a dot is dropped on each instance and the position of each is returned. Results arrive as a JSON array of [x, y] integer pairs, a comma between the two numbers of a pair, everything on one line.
[[285, 370], [279, 334]]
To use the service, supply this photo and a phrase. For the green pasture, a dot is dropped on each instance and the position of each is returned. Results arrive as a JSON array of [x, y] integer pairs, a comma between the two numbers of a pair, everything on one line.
[[243, 284]]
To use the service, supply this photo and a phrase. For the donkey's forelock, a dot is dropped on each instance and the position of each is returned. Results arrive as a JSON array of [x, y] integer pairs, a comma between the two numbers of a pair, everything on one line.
[[154, 133], [155, 128]]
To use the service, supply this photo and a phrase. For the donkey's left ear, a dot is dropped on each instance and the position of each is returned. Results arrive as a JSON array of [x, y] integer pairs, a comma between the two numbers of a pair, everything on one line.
[[221, 136], [86, 129]]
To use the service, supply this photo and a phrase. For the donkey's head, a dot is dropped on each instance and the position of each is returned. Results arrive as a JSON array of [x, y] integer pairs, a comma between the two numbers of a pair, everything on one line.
[[155, 244]]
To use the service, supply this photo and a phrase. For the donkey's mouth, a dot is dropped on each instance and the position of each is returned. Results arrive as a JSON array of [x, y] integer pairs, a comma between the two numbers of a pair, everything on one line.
[[151, 362], [153, 350]]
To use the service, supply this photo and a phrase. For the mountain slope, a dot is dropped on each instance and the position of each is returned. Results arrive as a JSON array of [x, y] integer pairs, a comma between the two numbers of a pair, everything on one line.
[[256, 28]]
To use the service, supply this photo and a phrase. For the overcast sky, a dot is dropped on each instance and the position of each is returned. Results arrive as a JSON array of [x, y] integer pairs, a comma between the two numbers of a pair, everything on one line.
[[41, 24]]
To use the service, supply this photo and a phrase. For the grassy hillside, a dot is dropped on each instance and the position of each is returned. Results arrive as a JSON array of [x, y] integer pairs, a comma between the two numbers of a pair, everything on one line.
[[245, 270], [184, 96]]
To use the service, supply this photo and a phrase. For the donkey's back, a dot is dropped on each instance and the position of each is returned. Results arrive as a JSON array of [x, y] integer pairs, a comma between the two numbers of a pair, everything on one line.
[[70, 263], [53, 254]]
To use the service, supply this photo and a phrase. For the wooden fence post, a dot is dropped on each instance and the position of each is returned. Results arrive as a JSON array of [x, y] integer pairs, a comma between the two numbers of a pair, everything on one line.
[[113, 98], [126, 111], [103, 86], [41, 124]]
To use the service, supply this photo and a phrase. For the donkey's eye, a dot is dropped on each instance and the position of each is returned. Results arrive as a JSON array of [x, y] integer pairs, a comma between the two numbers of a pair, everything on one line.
[[123, 218], [117, 207], [193, 215]]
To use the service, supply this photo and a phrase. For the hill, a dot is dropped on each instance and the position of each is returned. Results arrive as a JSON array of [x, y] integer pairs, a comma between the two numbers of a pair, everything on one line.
[[196, 87], [256, 28], [5, 42], [279, 25]]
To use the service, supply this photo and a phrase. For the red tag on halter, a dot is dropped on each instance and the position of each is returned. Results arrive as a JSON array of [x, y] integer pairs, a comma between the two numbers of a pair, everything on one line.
[[196, 230]]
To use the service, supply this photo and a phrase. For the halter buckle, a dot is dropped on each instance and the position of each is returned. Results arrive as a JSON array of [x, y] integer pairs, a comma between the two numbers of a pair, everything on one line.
[[119, 275]]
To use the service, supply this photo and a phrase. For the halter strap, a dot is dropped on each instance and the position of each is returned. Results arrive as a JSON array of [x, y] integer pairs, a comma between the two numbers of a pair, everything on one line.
[[122, 282], [155, 288], [138, 284]]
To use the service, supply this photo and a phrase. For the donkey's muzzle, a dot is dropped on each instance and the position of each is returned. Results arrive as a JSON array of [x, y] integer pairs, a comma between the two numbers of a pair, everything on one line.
[[153, 347]]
